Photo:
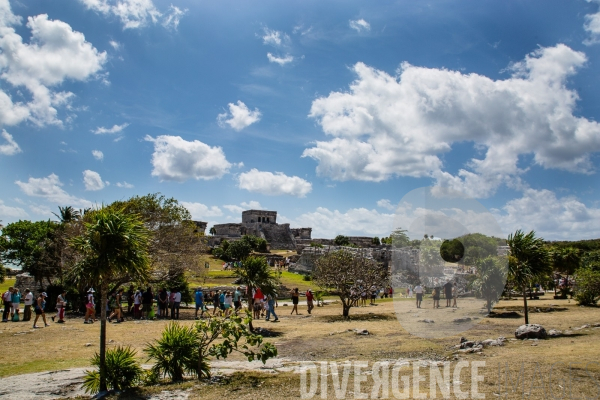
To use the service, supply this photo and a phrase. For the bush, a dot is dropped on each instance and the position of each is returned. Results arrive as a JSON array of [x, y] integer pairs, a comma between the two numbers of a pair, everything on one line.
[[307, 278], [175, 353], [122, 370], [341, 240], [587, 286]]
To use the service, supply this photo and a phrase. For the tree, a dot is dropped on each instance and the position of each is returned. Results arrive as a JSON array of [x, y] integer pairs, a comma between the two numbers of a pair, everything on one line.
[[238, 250], [491, 278], [399, 238], [528, 260], [346, 273], [452, 250], [376, 241], [341, 240], [2, 273], [587, 286], [565, 260], [113, 248], [68, 214], [212, 230]]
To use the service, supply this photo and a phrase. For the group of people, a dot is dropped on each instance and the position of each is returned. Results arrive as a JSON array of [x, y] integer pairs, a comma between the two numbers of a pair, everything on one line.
[[12, 306], [450, 290]]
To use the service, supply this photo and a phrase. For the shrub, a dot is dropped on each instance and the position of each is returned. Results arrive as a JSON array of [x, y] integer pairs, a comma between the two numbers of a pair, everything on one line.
[[122, 370], [341, 240], [587, 286], [307, 278], [175, 353]]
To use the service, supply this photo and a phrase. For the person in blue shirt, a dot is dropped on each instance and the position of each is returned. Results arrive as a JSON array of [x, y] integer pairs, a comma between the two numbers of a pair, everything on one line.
[[15, 300], [199, 302]]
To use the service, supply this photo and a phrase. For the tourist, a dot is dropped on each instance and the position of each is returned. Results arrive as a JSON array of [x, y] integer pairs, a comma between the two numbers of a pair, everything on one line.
[[61, 305], [237, 299], [373, 293], [16, 303], [419, 293], [436, 297], [39, 309], [130, 294], [216, 303], [176, 304], [455, 294], [295, 295], [28, 303], [272, 303], [222, 301], [363, 297], [163, 303], [137, 302], [309, 300], [199, 297], [90, 308], [147, 300], [7, 299], [257, 304], [228, 304], [171, 297], [114, 305], [448, 293], [410, 292]]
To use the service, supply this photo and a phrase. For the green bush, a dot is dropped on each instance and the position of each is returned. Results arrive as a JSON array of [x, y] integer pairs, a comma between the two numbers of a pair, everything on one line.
[[122, 370], [175, 353], [587, 286], [307, 278]]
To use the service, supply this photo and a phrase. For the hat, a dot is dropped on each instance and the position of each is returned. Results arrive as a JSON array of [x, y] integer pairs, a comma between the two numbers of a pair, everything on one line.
[[91, 290], [310, 290], [44, 294]]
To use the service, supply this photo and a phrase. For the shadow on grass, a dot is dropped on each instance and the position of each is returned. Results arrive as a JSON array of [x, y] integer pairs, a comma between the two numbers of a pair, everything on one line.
[[356, 317]]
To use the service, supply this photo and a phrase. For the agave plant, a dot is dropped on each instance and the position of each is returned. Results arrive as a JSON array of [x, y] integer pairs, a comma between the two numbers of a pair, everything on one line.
[[175, 353], [123, 371]]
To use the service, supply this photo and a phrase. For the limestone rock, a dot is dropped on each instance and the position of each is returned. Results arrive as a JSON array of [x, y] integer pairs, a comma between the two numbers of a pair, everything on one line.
[[427, 321], [554, 333], [530, 331]]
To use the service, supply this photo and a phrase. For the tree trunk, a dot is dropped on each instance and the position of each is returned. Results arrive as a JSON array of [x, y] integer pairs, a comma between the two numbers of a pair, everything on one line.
[[103, 296], [525, 303], [346, 310], [489, 306], [250, 308]]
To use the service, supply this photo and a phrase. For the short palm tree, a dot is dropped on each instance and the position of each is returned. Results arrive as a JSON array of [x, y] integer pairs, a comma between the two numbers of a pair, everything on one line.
[[113, 247], [528, 260]]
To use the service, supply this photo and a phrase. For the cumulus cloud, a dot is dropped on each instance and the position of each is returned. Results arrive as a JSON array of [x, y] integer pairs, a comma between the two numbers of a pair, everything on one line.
[[49, 188], [92, 180], [355, 221], [8, 213], [11, 147], [98, 155], [360, 25], [136, 13], [176, 159], [55, 53], [385, 203], [115, 129], [200, 211], [273, 184], [400, 125], [239, 116], [592, 27], [124, 184], [280, 60], [250, 205], [274, 38]]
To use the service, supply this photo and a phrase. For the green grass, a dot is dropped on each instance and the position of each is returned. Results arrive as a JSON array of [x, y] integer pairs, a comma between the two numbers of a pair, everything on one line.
[[8, 282]]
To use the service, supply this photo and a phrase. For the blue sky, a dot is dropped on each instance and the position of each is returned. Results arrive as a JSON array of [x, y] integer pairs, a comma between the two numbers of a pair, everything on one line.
[[327, 112]]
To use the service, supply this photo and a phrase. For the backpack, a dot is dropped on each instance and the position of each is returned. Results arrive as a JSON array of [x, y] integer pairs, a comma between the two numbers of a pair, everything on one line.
[[15, 317]]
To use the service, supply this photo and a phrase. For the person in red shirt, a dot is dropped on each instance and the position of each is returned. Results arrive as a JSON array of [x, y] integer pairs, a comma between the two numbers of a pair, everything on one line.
[[309, 300]]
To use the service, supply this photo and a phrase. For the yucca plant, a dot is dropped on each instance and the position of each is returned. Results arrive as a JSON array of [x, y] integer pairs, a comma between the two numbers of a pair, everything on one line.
[[175, 353], [122, 370]]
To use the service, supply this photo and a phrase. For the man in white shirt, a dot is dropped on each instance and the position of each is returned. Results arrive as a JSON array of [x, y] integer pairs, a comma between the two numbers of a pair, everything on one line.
[[176, 303], [28, 303], [419, 293], [137, 301]]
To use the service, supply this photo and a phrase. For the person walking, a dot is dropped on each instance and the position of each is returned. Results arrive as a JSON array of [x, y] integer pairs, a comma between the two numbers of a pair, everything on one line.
[[309, 300], [176, 304], [114, 305], [215, 299], [272, 303], [28, 301], [61, 304], [15, 305], [454, 294], [39, 309], [228, 304], [419, 292], [90, 308], [436, 297], [199, 298], [295, 296], [237, 299], [7, 299]]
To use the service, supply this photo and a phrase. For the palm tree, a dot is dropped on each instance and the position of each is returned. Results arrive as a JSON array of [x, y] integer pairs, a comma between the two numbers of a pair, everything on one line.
[[528, 259], [67, 214], [566, 261], [254, 272], [113, 247], [212, 231]]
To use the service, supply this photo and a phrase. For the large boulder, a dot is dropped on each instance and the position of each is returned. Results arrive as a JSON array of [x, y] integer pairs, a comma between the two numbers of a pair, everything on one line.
[[531, 331]]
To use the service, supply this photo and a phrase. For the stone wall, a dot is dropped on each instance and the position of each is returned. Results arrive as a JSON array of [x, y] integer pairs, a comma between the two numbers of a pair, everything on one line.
[[25, 281], [201, 226], [261, 216], [302, 233], [279, 236], [228, 230]]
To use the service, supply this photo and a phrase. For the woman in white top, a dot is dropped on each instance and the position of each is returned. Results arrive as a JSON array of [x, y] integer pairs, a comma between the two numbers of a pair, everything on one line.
[[228, 303], [90, 308]]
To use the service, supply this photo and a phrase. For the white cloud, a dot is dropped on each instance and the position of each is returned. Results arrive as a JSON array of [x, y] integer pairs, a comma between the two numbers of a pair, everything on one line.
[[98, 155], [327, 223], [360, 25], [273, 184], [552, 218], [176, 159], [92, 180], [274, 38], [592, 26], [115, 45], [385, 203], [115, 129], [280, 60], [124, 184], [249, 205], [136, 13], [239, 116], [11, 147], [50, 189], [55, 53], [234, 209], [532, 112], [8, 213], [200, 211]]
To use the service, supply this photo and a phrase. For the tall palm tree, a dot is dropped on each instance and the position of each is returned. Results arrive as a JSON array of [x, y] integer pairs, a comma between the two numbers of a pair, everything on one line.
[[113, 247], [528, 260], [67, 214], [254, 272]]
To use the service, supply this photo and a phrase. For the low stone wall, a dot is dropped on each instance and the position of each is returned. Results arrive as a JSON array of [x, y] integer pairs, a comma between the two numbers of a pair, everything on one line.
[[25, 281]]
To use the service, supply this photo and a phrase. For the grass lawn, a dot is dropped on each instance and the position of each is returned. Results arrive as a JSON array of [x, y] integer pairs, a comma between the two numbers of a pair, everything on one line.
[[8, 282]]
